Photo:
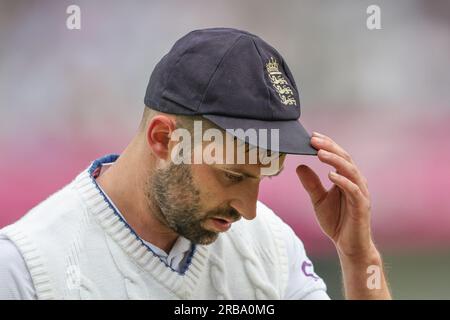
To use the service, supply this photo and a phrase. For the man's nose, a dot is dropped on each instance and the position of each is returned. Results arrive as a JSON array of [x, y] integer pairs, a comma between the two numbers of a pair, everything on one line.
[[245, 202]]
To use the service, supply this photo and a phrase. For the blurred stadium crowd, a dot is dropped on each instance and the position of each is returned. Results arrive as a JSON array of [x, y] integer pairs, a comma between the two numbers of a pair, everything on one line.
[[70, 96]]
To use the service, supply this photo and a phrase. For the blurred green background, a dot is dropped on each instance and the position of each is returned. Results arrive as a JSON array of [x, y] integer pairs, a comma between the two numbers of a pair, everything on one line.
[[411, 275]]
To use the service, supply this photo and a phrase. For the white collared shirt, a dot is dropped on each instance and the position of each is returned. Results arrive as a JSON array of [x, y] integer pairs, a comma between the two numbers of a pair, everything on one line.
[[16, 282], [177, 256]]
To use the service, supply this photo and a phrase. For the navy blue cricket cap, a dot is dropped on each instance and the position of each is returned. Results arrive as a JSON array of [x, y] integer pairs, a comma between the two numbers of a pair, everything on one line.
[[234, 79]]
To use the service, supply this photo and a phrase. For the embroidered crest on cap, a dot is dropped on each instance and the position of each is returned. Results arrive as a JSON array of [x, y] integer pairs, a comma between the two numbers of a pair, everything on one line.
[[279, 83]]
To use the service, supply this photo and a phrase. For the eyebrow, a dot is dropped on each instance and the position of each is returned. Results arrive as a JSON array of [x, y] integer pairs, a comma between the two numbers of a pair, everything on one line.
[[248, 175]]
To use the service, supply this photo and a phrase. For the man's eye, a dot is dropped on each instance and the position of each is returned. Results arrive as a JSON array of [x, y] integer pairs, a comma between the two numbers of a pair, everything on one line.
[[234, 177]]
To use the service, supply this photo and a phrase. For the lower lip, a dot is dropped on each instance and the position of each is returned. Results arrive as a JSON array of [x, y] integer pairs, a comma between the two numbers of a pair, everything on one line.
[[220, 224]]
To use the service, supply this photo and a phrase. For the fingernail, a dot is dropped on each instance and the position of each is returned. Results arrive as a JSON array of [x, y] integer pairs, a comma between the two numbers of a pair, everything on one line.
[[317, 139], [316, 134], [333, 174]]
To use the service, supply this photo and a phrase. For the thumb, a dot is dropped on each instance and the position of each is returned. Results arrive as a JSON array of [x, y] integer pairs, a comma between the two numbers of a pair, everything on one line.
[[311, 183]]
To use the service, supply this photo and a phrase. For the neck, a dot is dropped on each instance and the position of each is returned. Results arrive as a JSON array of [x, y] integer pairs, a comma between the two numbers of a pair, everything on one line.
[[125, 183]]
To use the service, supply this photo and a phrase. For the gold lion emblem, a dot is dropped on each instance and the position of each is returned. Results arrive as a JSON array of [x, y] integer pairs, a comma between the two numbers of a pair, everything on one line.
[[280, 84]]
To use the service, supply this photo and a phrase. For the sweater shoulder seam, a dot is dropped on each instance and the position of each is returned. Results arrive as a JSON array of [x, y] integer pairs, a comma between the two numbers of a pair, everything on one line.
[[33, 259]]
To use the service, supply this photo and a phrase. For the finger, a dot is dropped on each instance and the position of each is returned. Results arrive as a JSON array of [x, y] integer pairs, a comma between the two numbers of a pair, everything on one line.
[[351, 190], [321, 141], [311, 183], [345, 168]]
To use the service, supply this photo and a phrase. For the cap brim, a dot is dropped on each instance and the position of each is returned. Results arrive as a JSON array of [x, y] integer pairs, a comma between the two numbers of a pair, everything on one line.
[[293, 138]]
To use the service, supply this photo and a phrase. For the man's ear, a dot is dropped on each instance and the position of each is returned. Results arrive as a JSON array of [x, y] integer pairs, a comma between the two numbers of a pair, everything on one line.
[[159, 131]]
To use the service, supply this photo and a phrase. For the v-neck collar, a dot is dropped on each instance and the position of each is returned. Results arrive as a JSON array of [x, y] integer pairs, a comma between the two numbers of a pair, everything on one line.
[[182, 247], [182, 283]]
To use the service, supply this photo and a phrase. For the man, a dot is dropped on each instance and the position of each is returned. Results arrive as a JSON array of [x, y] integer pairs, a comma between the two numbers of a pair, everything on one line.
[[145, 225]]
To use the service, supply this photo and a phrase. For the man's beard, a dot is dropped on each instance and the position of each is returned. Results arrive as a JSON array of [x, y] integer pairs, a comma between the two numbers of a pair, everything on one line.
[[177, 203]]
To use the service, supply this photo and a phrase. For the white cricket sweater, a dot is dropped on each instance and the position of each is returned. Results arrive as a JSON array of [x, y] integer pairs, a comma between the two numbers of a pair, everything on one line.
[[77, 247]]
